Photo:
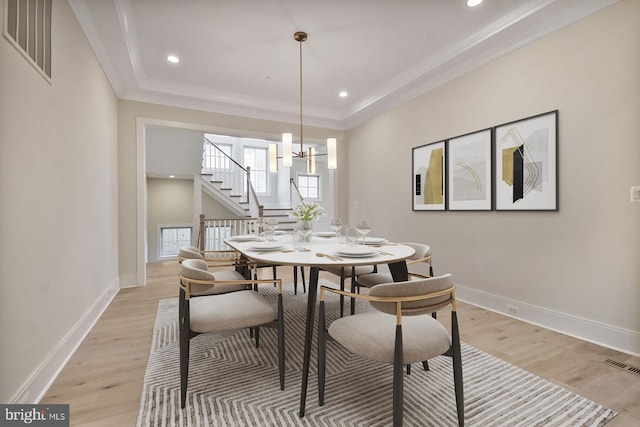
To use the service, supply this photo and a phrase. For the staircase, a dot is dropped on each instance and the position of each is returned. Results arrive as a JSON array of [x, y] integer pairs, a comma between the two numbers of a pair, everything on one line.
[[224, 179]]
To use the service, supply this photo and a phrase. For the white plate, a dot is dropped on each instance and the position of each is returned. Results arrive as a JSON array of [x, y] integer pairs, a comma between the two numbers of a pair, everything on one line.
[[325, 234], [373, 240], [243, 238], [279, 232], [356, 251], [266, 246]]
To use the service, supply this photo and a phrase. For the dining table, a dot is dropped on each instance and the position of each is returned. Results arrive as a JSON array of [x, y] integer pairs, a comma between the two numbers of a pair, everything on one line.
[[323, 250]]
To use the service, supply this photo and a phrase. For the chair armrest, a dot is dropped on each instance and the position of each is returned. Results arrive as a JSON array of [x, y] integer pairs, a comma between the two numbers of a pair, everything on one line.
[[397, 300], [185, 283], [415, 261], [419, 275]]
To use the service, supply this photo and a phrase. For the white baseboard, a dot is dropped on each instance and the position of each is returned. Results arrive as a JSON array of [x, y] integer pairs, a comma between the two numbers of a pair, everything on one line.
[[602, 334], [39, 382]]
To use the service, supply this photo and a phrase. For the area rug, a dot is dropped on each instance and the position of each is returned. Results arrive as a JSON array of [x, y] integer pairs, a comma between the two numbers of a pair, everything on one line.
[[231, 383]]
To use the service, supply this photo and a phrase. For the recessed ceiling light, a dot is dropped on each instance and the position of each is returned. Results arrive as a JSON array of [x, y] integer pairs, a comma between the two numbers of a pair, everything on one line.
[[343, 94], [473, 3], [173, 59], [172, 176]]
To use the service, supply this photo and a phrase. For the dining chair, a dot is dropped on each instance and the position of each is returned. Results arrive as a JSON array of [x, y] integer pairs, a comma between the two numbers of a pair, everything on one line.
[[349, 272], [189, 252], [422, 255], [229, 304], [399, 330]]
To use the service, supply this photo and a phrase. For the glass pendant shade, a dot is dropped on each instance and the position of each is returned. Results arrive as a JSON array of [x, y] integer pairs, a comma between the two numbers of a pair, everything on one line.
[[287, 155], [332, 158]]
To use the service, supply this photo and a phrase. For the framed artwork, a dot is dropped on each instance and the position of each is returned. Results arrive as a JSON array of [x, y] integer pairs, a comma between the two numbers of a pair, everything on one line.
[[526, 164], [428, 165], [469, 172]]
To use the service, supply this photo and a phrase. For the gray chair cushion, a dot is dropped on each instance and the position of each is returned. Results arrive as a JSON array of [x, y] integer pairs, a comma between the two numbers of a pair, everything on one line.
[[411, 288], [234, 310], [190, 252], [421, 249], [362, 269], [372, 279], [197, 269], [372, 335]]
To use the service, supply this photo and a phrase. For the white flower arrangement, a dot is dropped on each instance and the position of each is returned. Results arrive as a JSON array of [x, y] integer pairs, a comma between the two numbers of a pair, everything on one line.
[[307, 211]]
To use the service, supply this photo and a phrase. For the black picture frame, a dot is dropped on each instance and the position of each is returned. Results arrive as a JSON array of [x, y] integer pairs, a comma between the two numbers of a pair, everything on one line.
[[526, 164], [428, 177]]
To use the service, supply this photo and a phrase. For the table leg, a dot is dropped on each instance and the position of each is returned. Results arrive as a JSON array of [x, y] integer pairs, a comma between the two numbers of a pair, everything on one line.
[[308, 335], [399, 271]]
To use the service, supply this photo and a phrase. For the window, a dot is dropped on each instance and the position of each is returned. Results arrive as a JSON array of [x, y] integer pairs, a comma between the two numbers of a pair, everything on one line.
[[309, 186], [256, 159], [214, 159], [172, 239]]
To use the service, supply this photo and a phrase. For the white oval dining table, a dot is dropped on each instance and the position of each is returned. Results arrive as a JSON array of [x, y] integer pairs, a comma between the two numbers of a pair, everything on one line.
[[320, 252]]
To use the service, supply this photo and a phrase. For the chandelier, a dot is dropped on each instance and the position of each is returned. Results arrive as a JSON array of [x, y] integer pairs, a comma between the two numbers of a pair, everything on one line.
[[287, 138]]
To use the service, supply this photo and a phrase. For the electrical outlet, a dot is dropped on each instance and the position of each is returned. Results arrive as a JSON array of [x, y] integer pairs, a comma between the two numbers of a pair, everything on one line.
[[634, 194], [513, 309]]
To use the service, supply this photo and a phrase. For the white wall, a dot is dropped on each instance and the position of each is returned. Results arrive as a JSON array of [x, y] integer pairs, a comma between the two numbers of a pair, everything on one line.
[[58, 213], [575, 270], [173, 151]]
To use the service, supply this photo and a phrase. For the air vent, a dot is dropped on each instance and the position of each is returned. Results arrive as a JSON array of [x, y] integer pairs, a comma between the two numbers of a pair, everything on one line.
[[28, 28], [625, 367]]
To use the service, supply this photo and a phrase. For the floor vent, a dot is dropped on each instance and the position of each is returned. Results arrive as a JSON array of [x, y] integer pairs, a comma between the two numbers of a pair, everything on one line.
[[623, 366]]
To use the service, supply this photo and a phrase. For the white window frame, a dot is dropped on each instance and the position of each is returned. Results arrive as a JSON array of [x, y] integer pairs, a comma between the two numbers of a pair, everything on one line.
[[300, 187], [161, 228], [224, 163], [265, 173]]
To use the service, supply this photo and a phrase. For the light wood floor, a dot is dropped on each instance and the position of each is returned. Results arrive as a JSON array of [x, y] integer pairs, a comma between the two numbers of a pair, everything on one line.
[[103, 380]]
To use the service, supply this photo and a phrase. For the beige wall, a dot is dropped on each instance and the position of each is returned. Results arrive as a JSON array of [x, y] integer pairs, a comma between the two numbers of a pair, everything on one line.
[[170, 202], [575, 270], [58, 197]]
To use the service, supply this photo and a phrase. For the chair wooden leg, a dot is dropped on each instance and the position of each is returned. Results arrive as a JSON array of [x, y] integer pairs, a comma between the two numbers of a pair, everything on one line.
[[322, 352], [398, 379], [304, 286], [457, 368], [425, 365], [295, 280], [281, 355], [408, 369]]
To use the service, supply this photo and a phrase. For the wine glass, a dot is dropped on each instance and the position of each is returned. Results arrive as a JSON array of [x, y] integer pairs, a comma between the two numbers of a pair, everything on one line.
[[336, 223], [271, 224], [363, 228]]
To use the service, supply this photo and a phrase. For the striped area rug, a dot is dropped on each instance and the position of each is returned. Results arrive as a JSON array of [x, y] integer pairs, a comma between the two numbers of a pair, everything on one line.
[[231, 383]]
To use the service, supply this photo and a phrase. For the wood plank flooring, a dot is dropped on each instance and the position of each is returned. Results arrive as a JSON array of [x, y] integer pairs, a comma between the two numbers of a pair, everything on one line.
[[103, 380]]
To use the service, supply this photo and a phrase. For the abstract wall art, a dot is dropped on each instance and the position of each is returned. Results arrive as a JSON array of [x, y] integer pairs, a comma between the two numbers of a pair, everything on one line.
[[526, 174], [428, 177], [469, 171]]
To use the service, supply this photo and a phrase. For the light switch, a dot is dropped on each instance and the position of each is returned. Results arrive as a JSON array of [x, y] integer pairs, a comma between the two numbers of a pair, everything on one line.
[[635, 194]]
